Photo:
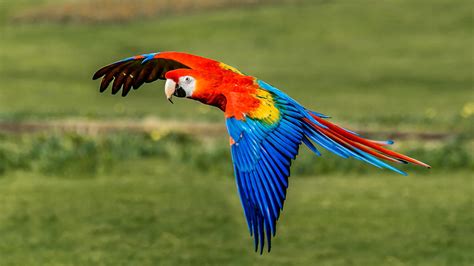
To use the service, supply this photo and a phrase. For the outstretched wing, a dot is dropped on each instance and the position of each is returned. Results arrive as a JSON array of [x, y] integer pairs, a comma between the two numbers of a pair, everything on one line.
[[262, 149], [134, 71]]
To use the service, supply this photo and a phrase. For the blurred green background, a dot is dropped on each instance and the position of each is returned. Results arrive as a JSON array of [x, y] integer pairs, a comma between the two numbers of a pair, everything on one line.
[[95, 179]]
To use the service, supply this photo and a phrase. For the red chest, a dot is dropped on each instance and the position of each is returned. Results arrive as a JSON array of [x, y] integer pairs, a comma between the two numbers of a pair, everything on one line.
[[233, 94]]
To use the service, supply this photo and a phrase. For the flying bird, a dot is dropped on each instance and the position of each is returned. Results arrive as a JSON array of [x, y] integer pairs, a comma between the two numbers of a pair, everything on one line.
[[265, 126]]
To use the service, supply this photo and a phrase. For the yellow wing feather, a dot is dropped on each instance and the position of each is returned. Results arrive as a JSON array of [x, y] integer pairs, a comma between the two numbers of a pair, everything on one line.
[[267, 111]]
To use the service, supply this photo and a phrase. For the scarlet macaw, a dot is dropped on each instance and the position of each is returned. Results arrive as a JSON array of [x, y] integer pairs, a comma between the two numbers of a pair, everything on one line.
[[265, 125]]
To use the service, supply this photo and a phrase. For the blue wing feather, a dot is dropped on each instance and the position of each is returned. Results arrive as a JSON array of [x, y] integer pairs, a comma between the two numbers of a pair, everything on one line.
[[262, 155]]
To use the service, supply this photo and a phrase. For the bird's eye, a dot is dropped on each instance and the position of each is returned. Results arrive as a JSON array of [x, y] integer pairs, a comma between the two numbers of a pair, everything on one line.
[[187, 79]]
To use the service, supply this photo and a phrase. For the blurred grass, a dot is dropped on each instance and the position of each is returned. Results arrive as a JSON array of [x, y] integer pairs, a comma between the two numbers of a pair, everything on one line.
[[140, 199], [74, 154], [120, 11], [392, 64], [144, 213]]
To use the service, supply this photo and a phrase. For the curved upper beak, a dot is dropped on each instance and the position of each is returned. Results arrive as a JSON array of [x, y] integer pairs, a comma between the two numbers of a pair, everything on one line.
[[170, 88]]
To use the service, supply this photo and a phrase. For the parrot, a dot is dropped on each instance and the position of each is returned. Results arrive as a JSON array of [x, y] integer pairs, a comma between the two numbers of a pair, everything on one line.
[[266, 127]]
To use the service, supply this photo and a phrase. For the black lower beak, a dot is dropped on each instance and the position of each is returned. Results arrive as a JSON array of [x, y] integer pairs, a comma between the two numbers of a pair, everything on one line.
[[180, 92]]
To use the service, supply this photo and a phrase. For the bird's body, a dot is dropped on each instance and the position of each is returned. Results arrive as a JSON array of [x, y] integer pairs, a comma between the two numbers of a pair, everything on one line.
[[266, 127]]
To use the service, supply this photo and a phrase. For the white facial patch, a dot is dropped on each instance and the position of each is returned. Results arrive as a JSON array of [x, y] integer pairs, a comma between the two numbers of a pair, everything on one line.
[[188, 84]]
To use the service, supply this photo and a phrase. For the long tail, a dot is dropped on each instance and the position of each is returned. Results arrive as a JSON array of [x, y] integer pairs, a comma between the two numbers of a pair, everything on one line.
[[347, 144]]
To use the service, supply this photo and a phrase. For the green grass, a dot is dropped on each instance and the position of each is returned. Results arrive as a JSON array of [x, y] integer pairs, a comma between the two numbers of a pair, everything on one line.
[[72, 154], [142, 213], [127, 199], [392, 64]]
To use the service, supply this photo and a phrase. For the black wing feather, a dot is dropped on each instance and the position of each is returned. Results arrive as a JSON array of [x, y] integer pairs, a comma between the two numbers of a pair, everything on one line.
[[134, 71]]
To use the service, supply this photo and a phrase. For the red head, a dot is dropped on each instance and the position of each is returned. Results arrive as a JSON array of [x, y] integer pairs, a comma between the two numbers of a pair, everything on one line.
[[180, 83], [193, 84]]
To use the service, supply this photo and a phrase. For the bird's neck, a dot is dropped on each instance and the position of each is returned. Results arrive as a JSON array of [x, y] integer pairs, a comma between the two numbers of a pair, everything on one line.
[[218, 100]]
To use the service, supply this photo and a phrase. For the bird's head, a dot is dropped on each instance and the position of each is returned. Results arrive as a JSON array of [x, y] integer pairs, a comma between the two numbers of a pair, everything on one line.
[[196, 85], [180, 83]]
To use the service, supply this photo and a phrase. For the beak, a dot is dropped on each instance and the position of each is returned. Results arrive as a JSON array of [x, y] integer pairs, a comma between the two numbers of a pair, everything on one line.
[[170, 88]]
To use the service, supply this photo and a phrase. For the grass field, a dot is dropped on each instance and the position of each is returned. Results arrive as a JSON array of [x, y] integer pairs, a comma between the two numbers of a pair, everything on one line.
[[161, 198], [404, 63], [144, 214]]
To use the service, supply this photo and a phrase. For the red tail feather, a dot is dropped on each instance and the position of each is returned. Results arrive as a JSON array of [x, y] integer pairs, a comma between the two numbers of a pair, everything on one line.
[[348, 139]]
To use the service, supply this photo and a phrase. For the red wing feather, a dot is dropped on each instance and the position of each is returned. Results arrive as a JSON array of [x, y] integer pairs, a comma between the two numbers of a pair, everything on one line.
[[356, 141]]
